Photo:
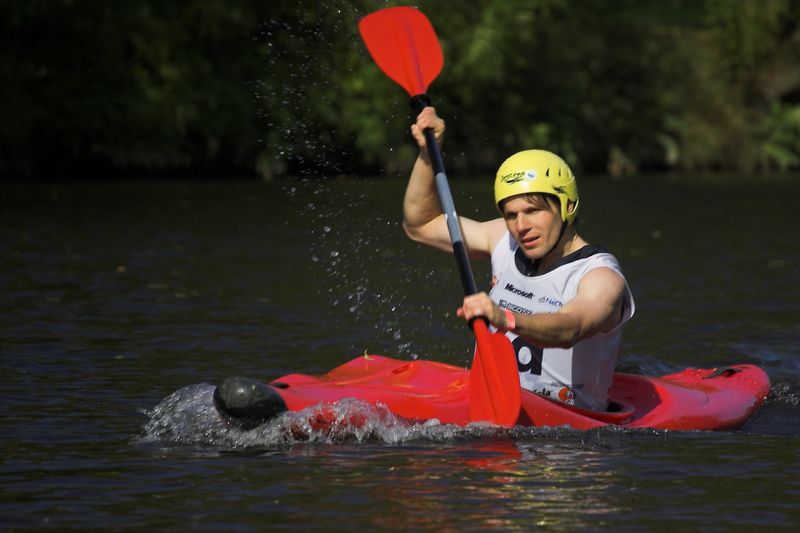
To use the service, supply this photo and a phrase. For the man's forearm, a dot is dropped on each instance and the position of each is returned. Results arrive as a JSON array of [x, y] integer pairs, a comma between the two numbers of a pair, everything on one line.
[[421, 202]]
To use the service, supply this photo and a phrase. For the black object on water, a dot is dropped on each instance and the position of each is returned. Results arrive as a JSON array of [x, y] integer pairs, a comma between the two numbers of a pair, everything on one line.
[[247, 400]]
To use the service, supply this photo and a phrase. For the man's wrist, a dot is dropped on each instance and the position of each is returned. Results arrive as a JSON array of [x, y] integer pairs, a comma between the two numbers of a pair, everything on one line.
[[510, 320]]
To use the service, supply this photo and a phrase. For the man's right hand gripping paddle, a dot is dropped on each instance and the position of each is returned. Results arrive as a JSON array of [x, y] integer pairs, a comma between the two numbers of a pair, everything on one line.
[[404, 45]]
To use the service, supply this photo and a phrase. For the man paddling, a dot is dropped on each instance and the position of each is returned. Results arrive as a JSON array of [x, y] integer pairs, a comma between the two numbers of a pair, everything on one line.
[[561, 300]]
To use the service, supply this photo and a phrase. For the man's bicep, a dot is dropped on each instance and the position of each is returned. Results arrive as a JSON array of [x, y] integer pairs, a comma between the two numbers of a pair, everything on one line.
[[432, 233], [599, 301], [482, 237]]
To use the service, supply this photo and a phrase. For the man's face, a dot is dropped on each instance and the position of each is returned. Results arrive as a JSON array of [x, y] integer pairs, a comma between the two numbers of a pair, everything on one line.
[[535, 223]]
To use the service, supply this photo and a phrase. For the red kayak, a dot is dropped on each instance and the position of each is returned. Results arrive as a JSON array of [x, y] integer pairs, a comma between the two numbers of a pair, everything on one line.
[[692, 399]]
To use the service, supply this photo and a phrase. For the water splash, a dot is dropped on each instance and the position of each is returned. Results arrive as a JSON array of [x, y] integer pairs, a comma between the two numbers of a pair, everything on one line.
[[786, 394], [188, 417], [304, 80], [362, 276]]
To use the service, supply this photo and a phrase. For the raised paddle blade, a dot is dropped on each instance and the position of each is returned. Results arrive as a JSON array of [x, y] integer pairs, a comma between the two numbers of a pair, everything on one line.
[[494, 391], [403, 43]]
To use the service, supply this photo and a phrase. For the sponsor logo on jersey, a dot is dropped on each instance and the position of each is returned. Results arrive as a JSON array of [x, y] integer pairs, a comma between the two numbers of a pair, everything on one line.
[[505, 304], [566, 395], [550, 301], [525, 294]]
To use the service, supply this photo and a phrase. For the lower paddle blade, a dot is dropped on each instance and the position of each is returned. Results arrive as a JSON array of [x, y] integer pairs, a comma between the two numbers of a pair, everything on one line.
[[494, 391], [404, 45]]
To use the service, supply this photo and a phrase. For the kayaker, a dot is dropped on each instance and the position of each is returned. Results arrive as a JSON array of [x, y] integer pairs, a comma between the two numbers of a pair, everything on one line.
[[561, 300]]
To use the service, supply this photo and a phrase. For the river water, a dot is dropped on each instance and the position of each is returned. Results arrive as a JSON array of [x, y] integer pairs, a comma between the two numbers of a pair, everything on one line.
[[123, 303]]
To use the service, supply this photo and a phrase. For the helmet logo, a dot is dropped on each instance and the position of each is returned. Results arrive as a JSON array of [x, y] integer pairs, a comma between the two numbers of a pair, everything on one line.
[[516, 177]]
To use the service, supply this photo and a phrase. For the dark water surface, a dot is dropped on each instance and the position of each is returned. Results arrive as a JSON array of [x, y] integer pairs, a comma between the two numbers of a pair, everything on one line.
[[115, 296]]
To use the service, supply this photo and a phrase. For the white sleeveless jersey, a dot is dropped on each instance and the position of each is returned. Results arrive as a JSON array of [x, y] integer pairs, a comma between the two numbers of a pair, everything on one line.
[[580, 375]]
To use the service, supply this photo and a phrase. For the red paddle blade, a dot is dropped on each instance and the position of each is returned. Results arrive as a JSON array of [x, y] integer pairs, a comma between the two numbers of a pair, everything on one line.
[[403, 43], [494, 392]]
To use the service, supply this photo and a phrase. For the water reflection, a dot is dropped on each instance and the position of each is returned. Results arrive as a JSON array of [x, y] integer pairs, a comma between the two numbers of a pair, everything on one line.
[[487, 484]]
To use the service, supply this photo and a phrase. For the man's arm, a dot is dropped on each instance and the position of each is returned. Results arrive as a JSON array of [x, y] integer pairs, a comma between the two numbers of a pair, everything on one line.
[[597, 307], [423, 220]]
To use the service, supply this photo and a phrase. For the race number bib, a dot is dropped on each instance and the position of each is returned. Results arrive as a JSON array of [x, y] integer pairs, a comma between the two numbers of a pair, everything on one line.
[[529, 357]]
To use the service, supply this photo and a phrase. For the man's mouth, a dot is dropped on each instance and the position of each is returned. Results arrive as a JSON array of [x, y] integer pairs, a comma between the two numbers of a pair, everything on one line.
[[529, 242]]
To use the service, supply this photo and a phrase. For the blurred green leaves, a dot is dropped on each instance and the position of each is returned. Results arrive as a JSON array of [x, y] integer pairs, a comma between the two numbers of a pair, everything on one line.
[[242, 87]]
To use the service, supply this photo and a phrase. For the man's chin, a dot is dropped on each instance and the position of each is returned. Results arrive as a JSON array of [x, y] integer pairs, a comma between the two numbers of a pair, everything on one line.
[[531, 254]]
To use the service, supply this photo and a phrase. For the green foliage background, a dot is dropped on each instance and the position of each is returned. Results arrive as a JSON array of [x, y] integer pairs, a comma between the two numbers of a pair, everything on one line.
[[224, 88]]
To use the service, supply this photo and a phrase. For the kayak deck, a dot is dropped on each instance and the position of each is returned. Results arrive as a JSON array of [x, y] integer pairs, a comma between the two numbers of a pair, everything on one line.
[[706, 399]]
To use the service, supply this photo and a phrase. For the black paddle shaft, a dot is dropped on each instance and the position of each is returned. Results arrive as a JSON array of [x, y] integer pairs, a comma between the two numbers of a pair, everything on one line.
[[420, 102]]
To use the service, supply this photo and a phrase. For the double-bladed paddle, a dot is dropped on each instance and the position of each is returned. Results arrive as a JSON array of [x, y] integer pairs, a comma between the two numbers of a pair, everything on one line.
[[404, 45]]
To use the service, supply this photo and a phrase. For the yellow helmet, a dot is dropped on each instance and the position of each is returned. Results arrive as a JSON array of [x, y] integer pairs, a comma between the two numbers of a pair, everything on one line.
[[537, 171]]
